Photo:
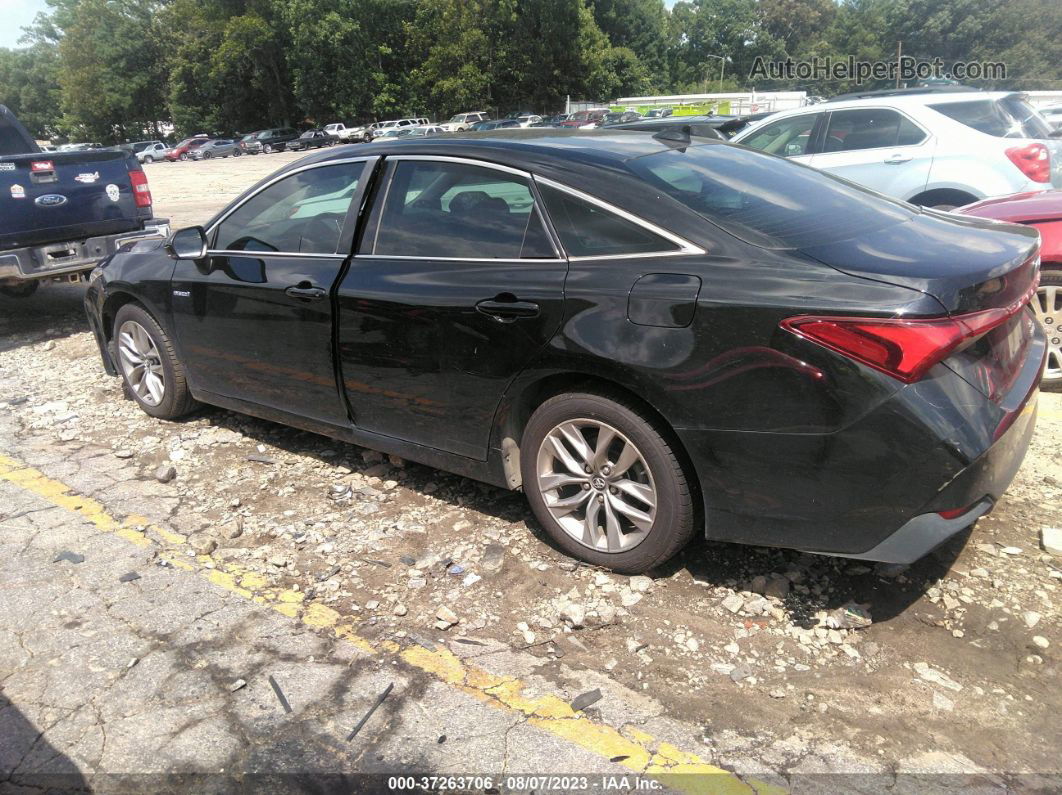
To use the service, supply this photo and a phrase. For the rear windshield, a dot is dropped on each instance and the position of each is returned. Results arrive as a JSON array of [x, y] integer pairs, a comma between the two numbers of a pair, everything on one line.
[[1010, 117], [765, 200]]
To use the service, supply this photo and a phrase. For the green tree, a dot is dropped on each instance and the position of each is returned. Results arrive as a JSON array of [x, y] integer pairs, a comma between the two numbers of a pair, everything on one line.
[[29, 86], [112, 73], [641, 27]]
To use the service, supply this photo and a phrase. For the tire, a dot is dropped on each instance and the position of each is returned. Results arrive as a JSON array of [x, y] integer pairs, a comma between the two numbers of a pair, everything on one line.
[[149, 159], [643, 536], [206, 156], [173, 399], [236, 153], [23, 290], [184, 156], [1048, 306], [268, 149]]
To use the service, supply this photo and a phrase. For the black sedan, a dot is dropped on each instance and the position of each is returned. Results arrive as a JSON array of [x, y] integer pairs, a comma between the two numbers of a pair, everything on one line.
[[311, 139], [652, 337]]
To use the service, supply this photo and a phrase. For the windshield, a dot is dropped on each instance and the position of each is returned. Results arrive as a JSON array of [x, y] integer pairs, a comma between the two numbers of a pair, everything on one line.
[[458, 118], [767, 201]]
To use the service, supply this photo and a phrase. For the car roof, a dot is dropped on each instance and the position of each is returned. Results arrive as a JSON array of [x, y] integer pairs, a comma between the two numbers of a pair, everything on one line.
[[532, 148], [911, 100]]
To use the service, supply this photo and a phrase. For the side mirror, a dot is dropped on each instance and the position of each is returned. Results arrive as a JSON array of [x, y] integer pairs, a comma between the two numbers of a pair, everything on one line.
[[187, 243]]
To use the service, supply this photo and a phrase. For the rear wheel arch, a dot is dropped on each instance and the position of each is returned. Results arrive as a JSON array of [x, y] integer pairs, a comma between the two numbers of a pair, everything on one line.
[[518, 408], [943, 197]]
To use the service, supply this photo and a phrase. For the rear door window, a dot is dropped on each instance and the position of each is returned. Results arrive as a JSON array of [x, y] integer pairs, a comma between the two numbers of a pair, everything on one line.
[[787, 137], [870, 128], [460, 211]]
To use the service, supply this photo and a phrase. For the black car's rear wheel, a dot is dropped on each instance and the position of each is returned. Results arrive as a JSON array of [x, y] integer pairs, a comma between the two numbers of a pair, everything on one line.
[[148, 363], [268, 149], [1048, 306], [605, 483]]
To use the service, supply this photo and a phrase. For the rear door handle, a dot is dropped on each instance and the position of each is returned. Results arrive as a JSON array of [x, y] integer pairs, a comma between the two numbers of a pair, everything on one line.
[[507, 311], [897, 158], [306, 293]]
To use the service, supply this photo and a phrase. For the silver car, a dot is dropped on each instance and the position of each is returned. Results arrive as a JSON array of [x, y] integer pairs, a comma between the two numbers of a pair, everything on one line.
[[219, 147]]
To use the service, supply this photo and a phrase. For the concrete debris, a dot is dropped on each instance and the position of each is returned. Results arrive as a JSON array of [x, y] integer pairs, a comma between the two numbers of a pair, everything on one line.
[[934, 676]]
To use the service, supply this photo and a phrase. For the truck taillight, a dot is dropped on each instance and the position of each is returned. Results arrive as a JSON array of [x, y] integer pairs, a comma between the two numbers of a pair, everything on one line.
[[1033, 160], [141, 191]]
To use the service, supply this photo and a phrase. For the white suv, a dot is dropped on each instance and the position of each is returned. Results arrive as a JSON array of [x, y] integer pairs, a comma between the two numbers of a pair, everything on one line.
[[399, 123], [464, 121], [934, 148]]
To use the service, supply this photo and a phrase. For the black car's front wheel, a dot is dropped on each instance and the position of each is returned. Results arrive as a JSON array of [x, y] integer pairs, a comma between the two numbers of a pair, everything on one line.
[[605, 483], [147, 361]]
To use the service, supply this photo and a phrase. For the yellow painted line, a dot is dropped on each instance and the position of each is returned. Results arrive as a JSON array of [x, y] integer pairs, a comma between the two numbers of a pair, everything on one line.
[[631, 747]]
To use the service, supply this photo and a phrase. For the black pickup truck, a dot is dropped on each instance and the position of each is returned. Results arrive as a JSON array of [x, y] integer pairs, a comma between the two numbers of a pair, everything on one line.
[[62, 212]]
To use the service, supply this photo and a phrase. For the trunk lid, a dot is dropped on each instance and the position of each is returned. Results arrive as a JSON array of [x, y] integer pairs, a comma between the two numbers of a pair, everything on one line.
[[82, 194], [972, 267]]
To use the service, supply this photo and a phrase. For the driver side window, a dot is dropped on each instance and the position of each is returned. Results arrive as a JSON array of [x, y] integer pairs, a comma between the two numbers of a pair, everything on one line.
[[302, 213], [787, 137]]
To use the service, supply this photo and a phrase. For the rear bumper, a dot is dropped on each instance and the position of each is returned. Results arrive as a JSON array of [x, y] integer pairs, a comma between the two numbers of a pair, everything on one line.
[[58, 259], [874, 489]]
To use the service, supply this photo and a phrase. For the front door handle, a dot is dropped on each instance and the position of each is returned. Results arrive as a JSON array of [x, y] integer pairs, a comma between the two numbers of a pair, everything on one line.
[[506, 309], [897, 158], [305, 292]]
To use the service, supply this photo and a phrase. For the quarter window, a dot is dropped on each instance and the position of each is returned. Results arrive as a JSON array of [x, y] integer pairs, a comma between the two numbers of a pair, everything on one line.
[[788, 137], [587, 230], [302, 213], [437, 209], [872, 128]]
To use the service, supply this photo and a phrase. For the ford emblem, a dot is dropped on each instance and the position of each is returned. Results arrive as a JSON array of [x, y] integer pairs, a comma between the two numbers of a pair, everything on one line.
[[50, 200]]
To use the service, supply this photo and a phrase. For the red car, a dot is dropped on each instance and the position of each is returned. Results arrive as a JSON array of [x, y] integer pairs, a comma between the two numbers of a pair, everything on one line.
[[183, 150], [1042, 210]]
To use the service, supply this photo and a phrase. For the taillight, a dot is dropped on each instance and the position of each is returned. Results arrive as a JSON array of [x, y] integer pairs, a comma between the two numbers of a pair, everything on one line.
[[141, 191], [1034, 161], [903, 349]]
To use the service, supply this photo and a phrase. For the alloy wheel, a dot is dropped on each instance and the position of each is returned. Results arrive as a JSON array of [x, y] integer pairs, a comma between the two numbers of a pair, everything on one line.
[[141, 363], [1048, 307], [597, 485]]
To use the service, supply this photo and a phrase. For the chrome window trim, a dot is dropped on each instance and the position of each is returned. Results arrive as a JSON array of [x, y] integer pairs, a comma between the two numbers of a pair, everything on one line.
[[554, 244], [686, 248], [537, 261], [221, 219], [264, 254]]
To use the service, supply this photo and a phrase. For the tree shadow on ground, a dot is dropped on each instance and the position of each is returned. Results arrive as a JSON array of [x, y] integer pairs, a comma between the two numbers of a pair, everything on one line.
[[28, 761]]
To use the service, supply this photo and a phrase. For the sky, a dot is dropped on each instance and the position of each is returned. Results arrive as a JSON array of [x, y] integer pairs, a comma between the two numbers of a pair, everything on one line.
[[14, 15]]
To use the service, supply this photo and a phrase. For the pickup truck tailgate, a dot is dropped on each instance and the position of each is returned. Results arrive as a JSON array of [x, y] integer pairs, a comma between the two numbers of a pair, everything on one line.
[[66, 196]]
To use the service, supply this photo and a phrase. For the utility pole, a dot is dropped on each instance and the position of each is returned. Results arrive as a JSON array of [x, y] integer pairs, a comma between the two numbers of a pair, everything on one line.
[[899, 52]]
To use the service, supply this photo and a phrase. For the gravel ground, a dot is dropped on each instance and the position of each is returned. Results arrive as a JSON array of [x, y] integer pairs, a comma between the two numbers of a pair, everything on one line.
[[953, 660]]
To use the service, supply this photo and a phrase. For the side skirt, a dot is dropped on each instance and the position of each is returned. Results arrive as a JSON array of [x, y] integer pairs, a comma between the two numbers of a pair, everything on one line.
[[490, 471]]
